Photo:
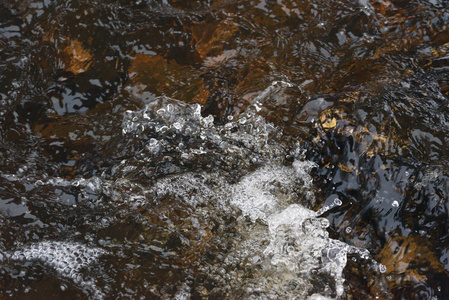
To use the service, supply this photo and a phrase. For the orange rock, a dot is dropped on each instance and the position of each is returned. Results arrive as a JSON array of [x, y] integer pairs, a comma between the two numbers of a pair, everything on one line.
[[409, 259], [160, 76], [69, 128], [77, 59], [154, 71], [210, 39]]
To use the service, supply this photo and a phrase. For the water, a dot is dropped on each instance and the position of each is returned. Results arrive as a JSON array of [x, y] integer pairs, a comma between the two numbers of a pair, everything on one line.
[[228, 149], [66, 258]]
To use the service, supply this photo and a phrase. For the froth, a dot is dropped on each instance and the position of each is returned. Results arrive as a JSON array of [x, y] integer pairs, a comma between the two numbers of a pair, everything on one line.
[[293, 246], [167, 127], [255, 195], [66, 258], [299, 242], [271, 188]]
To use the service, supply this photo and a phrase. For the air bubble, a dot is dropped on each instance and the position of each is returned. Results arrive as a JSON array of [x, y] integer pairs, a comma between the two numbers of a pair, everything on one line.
[[324, 223], [395, 203], [348, 229], [208, 121], [64, 257], [162, 129], [382, 268], [322, 210], [197, 111], [177, 125], [295, 234]]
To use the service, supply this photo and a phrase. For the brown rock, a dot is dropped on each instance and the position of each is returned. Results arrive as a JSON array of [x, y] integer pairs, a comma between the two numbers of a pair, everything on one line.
[[408, 260], [77, 59]]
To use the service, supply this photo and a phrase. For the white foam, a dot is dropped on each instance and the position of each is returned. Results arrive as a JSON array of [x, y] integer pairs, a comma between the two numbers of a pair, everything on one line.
[[290, 243], [255, 195], [299, 242], [66, 258], [297, 239], [183, 293], [189, 188], [318, 297]]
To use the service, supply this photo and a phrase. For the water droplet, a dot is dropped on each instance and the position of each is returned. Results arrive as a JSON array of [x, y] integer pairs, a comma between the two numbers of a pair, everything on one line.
[[382, 268], [324, 223], [322, 210], [395, 203], [177, 125], [338, 202], [348, 229]]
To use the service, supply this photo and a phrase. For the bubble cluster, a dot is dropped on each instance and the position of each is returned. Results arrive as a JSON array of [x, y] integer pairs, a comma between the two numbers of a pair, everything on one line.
[[66, 258], [178, 132], [382, 268], [234, 176], [309, 246], [189, 188], [292, 245], [257, 195], [94, 184], [325, 208]]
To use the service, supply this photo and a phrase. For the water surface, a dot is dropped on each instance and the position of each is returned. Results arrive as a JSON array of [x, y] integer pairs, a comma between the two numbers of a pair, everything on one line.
[[230, 149]]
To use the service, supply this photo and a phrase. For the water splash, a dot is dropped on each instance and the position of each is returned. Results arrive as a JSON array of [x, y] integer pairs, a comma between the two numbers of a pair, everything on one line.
[[293, 245], [299, 244], [234, 170]]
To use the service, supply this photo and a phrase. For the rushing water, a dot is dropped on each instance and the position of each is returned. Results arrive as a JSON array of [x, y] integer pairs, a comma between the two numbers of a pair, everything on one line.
[[224, 149]]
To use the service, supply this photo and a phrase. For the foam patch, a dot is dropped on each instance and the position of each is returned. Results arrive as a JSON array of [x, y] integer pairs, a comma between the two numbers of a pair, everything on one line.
[[66, 258]]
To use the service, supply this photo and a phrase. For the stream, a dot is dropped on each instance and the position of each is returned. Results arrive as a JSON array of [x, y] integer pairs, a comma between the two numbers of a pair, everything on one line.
[[224, 149]]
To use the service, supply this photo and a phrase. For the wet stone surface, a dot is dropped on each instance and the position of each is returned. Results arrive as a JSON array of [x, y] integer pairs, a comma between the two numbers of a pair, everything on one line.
[[224, 149]]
